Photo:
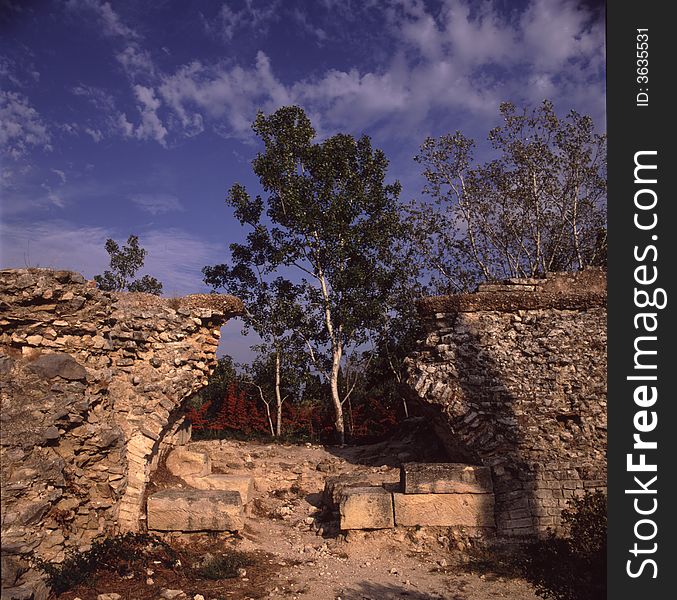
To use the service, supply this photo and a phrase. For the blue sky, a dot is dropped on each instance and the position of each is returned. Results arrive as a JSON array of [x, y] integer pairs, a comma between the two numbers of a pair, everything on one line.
[[127, 117]]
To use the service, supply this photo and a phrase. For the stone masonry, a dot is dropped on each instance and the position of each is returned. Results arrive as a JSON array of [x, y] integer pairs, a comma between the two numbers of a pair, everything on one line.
[[91, 385], [514, 378]]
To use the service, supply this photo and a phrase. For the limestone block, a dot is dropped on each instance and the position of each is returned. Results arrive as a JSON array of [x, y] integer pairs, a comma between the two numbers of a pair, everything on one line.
[[244, 484], [335, 486], [445, 478], [444, 510], [195, 510], [366, 508], [182, 463]]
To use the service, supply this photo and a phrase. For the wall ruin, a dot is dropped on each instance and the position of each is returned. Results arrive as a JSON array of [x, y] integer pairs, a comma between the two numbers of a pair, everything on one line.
[[91, 385], [514, 377]]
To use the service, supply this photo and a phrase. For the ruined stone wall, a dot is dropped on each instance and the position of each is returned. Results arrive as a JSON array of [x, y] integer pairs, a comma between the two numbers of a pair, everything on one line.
[[91, 385], [514, 377]]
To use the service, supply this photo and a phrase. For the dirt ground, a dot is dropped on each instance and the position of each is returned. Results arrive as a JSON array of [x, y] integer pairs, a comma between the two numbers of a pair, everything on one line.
[[298, 551]]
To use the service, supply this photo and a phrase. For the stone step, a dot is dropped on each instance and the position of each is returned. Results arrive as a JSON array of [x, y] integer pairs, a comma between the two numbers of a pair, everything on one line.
[[182, 463], [445, 478], [366, 508], [244, 484], [444, 510], [195, 510], [335, 486]]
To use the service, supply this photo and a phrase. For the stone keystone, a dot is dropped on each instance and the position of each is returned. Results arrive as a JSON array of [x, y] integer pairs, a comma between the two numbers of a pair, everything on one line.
[[444, 510], [244, 484], [195, 510], [445, 478], [366, 508], [182, 463]]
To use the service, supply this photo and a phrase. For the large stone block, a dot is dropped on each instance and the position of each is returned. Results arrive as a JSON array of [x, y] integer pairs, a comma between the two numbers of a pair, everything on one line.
[[444, 510], [244, 484], [335, 486], [445, 478], [195, 510], [182, 463], [366, 508]]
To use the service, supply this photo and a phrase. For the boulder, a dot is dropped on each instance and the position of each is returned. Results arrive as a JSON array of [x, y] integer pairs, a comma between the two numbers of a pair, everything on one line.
[[366, 508], [58, 364], [195, 510], [444, 510], [445, 478], [182, 463], [244, 484]]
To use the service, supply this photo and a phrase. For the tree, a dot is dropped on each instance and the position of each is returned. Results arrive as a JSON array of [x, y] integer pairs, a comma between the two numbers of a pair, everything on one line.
[[124, 263], [540, 206], [271, 310], [329, 215]]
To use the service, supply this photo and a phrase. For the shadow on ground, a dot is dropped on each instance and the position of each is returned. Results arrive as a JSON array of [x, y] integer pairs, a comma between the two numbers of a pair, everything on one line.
[[367, 590]]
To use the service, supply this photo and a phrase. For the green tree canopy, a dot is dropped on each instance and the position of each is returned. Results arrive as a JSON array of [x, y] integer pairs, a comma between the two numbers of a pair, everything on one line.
[[124, 263], [329, 215]]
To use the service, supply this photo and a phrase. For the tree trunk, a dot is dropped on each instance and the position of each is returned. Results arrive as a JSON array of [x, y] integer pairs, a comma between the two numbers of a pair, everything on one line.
[[278, 395], [335, 396]]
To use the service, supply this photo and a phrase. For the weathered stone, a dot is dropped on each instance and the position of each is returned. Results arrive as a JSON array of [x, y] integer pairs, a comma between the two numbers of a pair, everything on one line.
[[195, 510], [171, 594], [182, 463], [336, 485], [516, 380], [445, 478], [243, 484], [366, 508], [58, 365], [444, 510], [75, 415]]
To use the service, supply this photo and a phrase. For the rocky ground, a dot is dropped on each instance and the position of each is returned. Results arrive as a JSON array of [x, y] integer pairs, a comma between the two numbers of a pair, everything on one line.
[[296, 549]]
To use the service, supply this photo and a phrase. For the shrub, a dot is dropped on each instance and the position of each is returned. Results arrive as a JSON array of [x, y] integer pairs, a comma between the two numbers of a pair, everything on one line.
[[572, 566], [118, 553], [223, 566]]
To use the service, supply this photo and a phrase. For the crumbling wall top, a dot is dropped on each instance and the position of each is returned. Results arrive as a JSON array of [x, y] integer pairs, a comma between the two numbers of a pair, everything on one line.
[[560, 291]]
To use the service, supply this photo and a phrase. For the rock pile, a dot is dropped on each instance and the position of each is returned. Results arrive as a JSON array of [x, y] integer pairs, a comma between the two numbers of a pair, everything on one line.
[[90, 384]]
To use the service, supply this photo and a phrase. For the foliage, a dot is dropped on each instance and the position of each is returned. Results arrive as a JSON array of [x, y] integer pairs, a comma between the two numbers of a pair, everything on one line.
[[124, 263], [239, 415], [236, 412], [225, 565], [572, 567], [540, 206], [330, 216], [114, 553]]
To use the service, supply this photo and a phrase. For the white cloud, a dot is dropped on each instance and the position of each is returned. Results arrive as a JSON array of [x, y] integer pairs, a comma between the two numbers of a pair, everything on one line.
[[136, 61], [106, 18], [461, 56], [151, 126], [253, 16], [97, 97], [157, 204], [21, 126], [95, 134], [60, 174], [218, 92]]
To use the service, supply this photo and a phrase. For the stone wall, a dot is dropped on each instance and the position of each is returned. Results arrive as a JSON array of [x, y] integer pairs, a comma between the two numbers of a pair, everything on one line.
[[514, 377], [91, 385]]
